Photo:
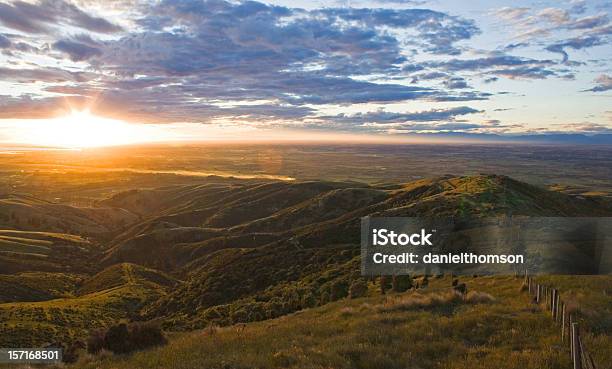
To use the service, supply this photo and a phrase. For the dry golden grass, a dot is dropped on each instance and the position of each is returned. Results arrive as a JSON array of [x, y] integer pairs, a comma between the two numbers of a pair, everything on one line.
[[494, 326]]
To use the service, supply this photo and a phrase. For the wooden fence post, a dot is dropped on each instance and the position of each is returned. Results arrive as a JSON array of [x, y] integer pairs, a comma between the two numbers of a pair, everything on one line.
[[554, 310], [570, 336], [563, 323], [551, 297], [529, 284], [550, 292], [576, 347]]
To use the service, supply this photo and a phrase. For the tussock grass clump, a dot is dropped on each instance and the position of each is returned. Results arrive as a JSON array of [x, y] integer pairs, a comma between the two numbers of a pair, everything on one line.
[[431, 300], [419, 300], [475, 297]]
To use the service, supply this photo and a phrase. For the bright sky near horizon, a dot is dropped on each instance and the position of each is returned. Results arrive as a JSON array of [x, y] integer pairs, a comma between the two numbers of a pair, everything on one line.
[[199, 69]]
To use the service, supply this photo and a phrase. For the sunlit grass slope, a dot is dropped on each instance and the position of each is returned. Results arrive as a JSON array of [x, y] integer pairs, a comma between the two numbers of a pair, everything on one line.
[[497, 327], [117, 293], [37, 286]]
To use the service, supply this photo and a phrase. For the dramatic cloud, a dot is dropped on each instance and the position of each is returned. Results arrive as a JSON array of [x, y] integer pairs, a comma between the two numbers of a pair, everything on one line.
[[33, 108], [41, 75], [501, 65], [205, 61], [384, 117], [489, 62], [252, 51], [40, 17], [76, 50]]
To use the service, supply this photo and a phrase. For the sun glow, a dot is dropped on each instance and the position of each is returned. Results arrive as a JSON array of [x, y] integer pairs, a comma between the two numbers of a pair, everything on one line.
[[82, 130]]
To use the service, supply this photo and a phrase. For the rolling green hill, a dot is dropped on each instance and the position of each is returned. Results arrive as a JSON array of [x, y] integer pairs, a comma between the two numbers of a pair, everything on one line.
[[37, 286], [27, 213], [115, 294], [23, 251], [126, 274]]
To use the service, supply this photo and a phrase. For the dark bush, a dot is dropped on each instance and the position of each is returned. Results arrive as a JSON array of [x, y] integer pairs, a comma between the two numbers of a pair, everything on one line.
[[461, 288], [358, 288], [401, 283], [117, 339], [95, 343], [71, 352], [144, 335], [219, 312], [309, 300], [239, 316], [324, 298], [338, 290], [123, 338]]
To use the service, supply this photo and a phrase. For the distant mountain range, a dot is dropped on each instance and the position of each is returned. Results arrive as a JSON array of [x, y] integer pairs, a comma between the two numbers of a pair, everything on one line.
[[551, 138]]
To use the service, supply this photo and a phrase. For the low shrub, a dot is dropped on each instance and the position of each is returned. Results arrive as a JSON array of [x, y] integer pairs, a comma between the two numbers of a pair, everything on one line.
[[359, 288], [401, 283], [338, 290], [124, 338]]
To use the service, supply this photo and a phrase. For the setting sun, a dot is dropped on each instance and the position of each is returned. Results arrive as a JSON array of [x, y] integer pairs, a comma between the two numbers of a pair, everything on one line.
[[81, 129]]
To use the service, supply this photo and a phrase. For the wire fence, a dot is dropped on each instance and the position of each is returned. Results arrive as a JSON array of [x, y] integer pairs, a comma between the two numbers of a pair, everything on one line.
[[560, 314]]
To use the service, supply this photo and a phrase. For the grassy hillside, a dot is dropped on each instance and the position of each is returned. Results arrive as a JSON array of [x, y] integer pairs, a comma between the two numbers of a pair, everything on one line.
[[28, 213], [319, 212], [22, 251], [115, 294], [224, 252], [312, 237], [591, 298], [495, 327], [32, 324], [37, 286], [126, 274]]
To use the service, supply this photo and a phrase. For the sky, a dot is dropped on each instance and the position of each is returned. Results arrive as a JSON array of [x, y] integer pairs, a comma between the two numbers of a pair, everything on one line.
[[389, 68]]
